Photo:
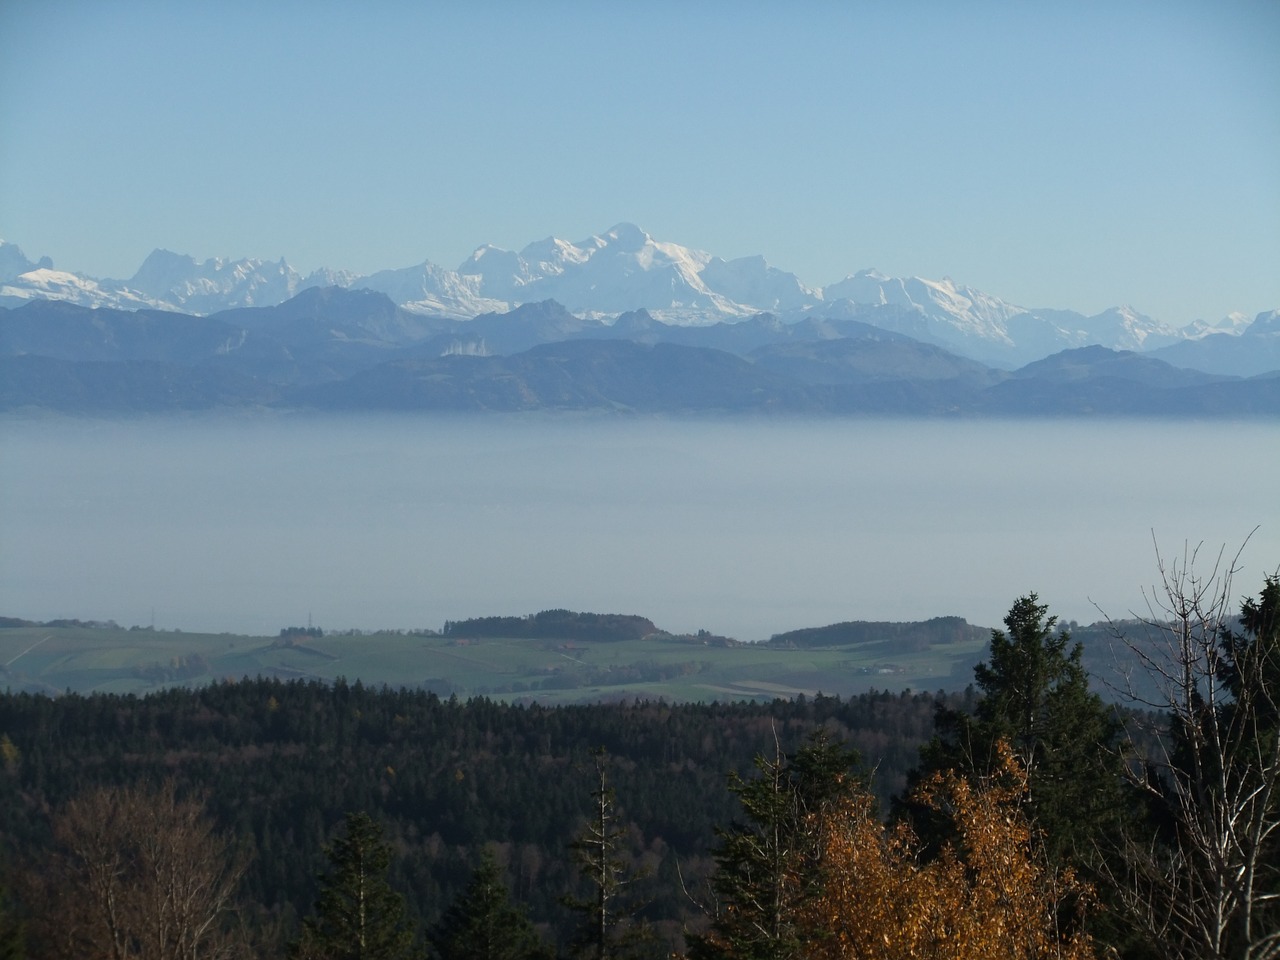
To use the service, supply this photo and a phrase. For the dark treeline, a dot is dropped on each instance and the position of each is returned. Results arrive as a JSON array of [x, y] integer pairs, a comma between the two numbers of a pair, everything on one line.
[[555, 625], [277, 765]]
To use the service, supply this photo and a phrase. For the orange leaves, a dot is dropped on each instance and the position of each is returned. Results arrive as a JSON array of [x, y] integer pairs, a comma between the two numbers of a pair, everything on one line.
[[986, 897]]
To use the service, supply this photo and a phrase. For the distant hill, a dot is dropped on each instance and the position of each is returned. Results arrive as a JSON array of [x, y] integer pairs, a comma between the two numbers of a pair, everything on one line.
[[555, 625], [335, 349], [555, 656], [939, 631]]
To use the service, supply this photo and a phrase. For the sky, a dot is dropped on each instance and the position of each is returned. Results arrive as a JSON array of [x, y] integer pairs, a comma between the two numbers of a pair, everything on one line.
[[1077, 155]]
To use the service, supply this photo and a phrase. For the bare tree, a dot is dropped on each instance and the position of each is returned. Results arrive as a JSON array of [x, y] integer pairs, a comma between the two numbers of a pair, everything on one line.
[[139, 875], [1205, 883], [609, 927]]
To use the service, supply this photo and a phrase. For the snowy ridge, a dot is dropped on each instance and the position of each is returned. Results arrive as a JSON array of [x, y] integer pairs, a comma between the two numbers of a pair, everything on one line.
[[968, 312], [1233, 324], [605, 275], [48, 284]]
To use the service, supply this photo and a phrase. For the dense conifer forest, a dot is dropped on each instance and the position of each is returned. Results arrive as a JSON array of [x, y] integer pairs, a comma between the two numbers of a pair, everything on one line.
[[324, 820], [279, 764]]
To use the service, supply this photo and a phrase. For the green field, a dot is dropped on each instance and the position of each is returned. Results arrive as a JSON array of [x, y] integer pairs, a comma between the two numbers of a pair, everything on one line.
[[106, 659]]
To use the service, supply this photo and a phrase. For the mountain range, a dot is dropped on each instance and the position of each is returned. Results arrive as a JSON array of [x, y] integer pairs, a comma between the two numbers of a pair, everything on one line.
[[622, 270], [334, 348]]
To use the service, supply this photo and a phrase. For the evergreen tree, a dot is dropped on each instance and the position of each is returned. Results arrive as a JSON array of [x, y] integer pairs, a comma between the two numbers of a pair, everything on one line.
[[769, 865], [483, 923], [358, 915], [609, 927], [1035, 696]]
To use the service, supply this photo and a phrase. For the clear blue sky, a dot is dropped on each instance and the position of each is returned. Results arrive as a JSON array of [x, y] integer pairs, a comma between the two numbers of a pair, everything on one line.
[[1075, 154]]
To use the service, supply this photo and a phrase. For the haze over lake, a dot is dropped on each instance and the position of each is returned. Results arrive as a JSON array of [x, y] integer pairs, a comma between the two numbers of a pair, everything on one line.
[[744, 528]]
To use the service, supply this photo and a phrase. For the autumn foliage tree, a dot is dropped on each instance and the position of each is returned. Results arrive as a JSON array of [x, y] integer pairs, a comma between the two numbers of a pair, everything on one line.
[[769, 862], [987, 896]]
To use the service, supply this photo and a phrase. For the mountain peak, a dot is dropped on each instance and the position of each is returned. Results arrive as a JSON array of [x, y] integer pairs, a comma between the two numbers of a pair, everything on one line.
[[14, 263], [627, 237], [161, 263]]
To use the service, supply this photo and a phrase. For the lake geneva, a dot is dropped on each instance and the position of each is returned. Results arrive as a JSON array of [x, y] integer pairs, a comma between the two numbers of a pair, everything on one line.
[[744, 528]]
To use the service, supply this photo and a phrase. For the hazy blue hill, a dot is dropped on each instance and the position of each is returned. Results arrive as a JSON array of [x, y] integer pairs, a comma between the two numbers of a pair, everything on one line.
[[1095, 380], [527, 326], [329, 333], [339, 305], [871, 360], [336, 349], [901, 637], [1258, 396], [671, 377], [1255, 351], [569, 375], [747, 337], [64, 331], [1099, 363], [133, 386]]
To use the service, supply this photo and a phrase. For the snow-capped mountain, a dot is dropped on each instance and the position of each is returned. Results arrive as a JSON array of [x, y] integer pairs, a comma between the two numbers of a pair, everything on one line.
[[429, 289], [952, 314], [165, 281], [46, 283], [213, 285], [1232, 324], [620, 270]]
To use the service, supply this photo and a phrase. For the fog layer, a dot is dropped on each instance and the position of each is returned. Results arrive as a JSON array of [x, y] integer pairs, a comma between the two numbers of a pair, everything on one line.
[[741, 528]]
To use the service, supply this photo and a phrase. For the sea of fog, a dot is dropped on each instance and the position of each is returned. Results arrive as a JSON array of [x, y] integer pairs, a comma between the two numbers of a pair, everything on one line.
[[744, 528]]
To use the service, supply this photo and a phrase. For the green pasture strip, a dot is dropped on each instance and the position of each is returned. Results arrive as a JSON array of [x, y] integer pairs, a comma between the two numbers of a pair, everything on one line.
[[541, 670]]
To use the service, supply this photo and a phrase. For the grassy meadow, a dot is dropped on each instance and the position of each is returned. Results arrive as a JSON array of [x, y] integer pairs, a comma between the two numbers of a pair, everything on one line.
[[88, 659]]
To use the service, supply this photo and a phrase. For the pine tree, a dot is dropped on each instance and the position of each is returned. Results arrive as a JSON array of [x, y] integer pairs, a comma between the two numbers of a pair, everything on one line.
[[768, 865], [358, 915], [1035, 696], [483, 923]]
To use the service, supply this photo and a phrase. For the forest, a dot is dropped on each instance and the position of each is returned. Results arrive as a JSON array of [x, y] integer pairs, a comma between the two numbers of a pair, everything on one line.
[[1022, 817]]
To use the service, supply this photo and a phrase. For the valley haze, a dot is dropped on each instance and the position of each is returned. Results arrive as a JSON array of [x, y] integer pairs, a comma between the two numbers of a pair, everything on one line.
[[741, 527]]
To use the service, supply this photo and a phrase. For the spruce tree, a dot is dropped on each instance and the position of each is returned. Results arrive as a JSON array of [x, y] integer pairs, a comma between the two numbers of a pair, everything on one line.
[[769, 863], [483, 923], [358, 915], [1035, 696]]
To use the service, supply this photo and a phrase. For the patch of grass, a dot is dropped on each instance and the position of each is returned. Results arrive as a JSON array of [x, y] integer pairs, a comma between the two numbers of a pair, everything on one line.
[[550, 671]]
